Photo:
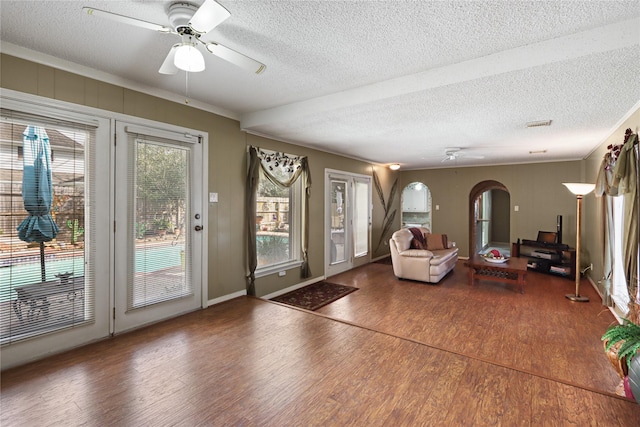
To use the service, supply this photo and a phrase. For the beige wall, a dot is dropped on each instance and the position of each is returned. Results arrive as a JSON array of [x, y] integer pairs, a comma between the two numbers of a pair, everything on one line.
[[227, 166]]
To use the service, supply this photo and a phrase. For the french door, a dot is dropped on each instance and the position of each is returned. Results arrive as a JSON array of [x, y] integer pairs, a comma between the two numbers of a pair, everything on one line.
[[347, 221], [55, 194], [158, 225]]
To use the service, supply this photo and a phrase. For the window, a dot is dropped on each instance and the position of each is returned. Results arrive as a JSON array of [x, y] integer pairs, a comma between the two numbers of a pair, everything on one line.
[[275, 226], [278, 210], [620, 294]]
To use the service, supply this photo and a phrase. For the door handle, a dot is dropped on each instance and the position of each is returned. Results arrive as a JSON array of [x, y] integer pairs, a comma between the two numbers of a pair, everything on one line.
[[198, 228]]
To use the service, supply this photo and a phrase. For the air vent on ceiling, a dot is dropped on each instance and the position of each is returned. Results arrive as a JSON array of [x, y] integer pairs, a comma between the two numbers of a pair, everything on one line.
[[539, 123]]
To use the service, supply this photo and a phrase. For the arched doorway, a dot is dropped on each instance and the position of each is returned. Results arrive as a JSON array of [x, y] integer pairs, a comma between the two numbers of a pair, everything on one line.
[[489, 216], [416, 205]]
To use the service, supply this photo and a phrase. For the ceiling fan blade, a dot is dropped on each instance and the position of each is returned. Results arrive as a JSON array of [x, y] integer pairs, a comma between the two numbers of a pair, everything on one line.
[[236, 58], [208, 16], [127, 20], [168, 66]]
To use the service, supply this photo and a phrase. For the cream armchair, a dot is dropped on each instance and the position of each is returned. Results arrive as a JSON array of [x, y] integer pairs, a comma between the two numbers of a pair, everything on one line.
[[426, 265]]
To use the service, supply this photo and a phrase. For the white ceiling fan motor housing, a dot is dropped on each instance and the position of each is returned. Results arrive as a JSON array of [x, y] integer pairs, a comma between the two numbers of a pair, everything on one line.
[[180, 14]]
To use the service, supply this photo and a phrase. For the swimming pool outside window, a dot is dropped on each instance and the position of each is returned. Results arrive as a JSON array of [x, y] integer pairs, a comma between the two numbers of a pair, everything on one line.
[[277, 212], [46, 280]]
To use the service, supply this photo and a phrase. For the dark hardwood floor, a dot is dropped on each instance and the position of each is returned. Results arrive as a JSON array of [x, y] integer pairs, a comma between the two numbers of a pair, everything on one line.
[[392, 353]]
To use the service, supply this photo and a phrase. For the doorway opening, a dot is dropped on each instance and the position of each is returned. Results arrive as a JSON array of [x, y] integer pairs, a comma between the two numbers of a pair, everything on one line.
[[416, 206], [489, 218]]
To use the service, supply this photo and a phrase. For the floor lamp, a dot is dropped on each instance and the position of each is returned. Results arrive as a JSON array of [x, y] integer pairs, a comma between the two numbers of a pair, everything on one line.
[[579, 189]]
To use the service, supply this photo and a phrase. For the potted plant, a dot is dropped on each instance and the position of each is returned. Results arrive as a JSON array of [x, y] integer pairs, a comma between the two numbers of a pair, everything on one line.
[[624, 339]]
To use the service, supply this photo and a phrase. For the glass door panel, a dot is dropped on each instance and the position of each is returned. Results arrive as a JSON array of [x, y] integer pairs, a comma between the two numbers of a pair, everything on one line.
[[339, 225], [46, 275], [361, 206], [160, 248]]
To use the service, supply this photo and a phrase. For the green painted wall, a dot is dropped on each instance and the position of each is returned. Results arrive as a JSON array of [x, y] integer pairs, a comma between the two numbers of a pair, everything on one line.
[[500, 216]]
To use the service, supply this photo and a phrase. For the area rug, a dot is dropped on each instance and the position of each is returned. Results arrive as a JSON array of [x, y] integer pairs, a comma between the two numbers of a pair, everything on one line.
[[314, 296]]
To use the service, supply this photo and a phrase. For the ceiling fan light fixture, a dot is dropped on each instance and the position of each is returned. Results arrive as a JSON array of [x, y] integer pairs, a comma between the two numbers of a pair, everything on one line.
[[189, 22], [189, 58]]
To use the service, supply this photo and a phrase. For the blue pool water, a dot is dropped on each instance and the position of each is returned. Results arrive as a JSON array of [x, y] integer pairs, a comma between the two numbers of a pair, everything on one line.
[[147, 260], [158, 258], [29, 272]]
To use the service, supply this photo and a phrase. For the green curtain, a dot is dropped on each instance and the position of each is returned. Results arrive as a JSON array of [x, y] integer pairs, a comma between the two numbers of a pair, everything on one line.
[[299, 167], [625, 176]]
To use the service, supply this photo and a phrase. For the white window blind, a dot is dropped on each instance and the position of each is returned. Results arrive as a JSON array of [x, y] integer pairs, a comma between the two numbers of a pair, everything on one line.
[[47, 228], [159, 248]]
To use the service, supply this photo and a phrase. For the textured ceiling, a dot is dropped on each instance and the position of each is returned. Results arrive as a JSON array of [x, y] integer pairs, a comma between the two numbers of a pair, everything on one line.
[[383, 81]]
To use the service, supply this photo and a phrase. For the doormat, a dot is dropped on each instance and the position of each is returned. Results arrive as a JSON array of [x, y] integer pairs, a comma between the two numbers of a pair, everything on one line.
[[314, 296], [386, 260]]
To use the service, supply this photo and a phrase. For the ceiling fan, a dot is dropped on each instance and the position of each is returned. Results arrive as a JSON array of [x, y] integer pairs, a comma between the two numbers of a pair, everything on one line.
[[453, 154], [190, 23]]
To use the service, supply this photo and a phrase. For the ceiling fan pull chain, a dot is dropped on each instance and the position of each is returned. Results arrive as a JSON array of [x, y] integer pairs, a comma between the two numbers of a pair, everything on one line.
[[186, 87]]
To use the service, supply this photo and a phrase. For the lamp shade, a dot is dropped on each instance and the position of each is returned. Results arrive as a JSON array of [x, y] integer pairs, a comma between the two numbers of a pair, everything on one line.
[[188, 58], [579, 188]]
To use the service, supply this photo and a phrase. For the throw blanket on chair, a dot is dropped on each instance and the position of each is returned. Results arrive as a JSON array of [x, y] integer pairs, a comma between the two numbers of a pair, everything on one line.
[[418, 241]]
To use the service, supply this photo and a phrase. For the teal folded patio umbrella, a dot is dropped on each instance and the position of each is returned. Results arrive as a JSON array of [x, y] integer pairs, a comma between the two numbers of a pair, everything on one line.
[[37, 190]]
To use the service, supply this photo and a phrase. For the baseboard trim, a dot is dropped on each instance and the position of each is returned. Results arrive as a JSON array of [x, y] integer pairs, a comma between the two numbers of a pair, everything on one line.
[[381, 257], [292, 288], [226, 298], [611, 309]]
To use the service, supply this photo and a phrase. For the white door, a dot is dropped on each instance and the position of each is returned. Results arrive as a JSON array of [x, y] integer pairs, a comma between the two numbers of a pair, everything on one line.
[[54, 295], [158, 230], [348, 221]]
